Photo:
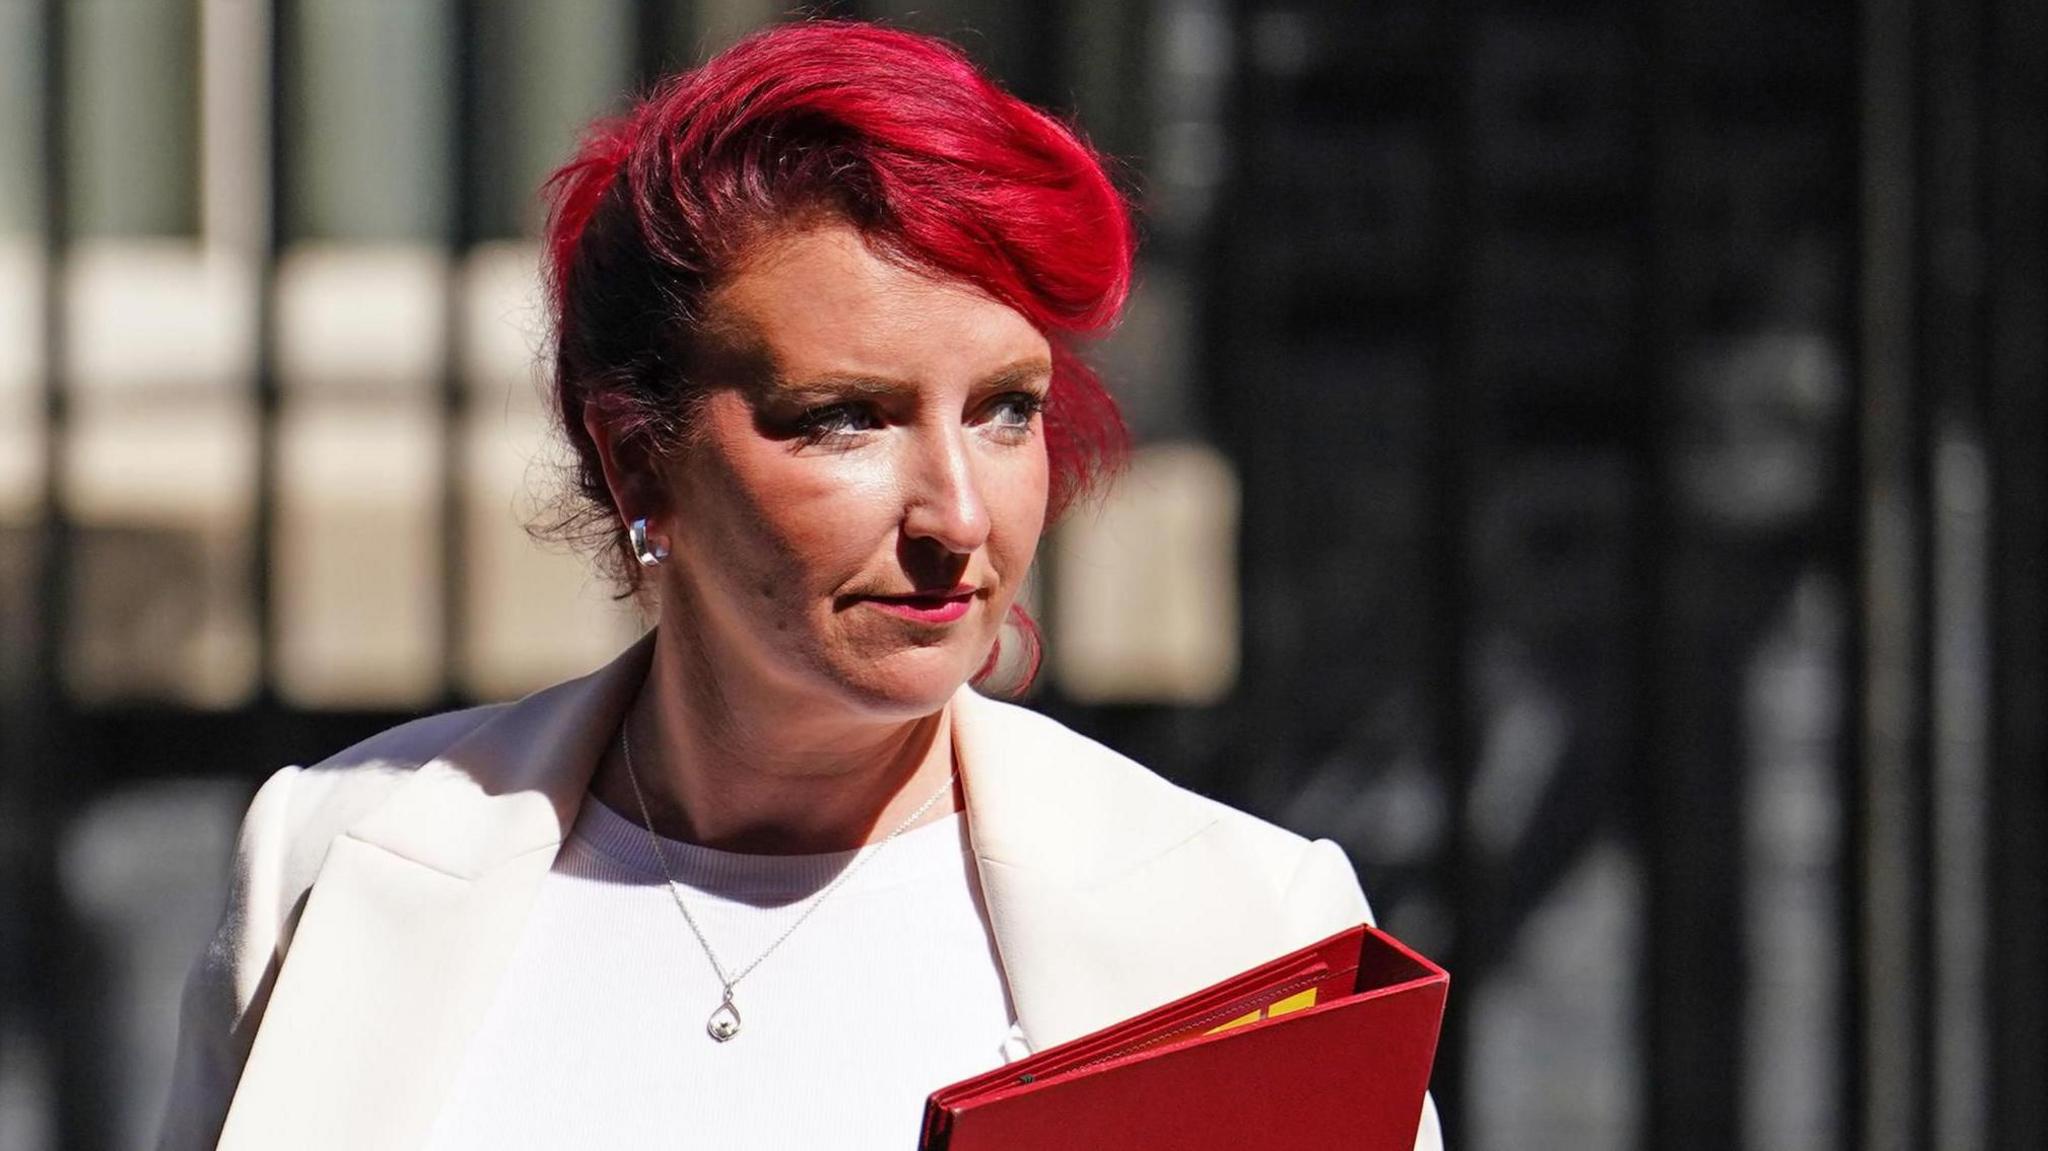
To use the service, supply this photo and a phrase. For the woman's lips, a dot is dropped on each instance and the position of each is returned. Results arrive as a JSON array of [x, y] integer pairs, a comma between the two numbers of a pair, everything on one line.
[[925, 607]]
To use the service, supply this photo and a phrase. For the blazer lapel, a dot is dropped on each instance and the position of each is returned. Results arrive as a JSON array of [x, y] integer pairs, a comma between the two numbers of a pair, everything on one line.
[[411, 921], [1108, 891]]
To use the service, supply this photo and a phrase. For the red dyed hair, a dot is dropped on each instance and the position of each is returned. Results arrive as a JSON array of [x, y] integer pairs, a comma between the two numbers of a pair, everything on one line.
[[898, 134]]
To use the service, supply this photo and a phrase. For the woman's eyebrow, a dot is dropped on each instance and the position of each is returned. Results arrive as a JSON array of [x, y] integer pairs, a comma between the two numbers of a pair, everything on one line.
[[842, 384], [1021, 372], [863, 386]]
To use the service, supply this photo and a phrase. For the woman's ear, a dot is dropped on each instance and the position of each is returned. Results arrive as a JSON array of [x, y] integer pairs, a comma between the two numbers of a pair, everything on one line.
[[637, 489]]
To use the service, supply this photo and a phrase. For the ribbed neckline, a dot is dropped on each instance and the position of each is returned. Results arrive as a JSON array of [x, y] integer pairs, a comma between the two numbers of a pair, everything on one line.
[[932, 849]]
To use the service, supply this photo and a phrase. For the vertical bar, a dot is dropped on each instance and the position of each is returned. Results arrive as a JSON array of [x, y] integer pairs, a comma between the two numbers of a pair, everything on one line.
[[1844, 546], [1852, 870], [463, 200], [33, 786], [654, 25], [1952, 935], [1650, 539], [56, 542], [1916, 646], [1045, 77], [1689, 767], [1449, 596], [268, 392], [1234, 339], [2015, 316], [1891, 790]]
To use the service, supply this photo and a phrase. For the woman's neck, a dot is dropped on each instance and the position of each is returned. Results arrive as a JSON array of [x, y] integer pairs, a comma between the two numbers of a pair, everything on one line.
[[769, 776]]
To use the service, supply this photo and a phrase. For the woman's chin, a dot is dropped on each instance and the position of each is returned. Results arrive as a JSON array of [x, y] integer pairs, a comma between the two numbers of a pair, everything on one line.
[[907, 684]]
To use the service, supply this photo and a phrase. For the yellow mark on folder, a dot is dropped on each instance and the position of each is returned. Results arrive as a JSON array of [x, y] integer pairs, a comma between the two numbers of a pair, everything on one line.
[[1282, 1007], [1293, 1003], [1240, 1021]]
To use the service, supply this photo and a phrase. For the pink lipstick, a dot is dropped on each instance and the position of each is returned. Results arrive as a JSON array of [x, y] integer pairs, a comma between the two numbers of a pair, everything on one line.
[[926, 607]]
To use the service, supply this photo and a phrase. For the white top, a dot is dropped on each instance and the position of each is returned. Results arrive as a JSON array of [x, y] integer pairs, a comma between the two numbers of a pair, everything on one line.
[[597, 1035]]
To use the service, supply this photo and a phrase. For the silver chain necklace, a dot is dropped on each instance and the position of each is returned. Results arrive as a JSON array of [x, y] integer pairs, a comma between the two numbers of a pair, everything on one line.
[[724, 1022]]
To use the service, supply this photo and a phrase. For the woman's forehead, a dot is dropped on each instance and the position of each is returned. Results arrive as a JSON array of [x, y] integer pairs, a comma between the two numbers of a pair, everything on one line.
[[819, 304]]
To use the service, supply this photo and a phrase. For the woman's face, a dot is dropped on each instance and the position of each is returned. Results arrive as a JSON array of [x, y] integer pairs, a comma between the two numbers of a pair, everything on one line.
[[866, 483]]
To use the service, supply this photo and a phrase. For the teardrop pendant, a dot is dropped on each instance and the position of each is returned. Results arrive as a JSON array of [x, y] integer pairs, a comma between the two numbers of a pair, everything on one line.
[[724, 1022]]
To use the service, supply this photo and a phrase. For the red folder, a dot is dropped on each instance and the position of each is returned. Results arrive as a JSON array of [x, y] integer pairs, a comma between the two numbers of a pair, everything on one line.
[[1327, 1047]]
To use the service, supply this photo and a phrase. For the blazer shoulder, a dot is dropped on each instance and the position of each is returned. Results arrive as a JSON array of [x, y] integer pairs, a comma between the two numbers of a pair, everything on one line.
[[1073, 777], [286, 831], [411, 743], [1309, 882], [329, 796]]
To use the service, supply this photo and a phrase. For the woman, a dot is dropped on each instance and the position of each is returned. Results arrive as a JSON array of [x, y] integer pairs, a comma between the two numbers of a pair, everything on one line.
[[776, 872]]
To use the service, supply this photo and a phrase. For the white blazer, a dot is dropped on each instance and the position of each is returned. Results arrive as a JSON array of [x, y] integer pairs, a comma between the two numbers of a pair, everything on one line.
[[378, 896]]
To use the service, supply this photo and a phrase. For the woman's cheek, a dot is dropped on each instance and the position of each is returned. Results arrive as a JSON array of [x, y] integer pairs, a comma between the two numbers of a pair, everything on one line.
[[809, 504], [830, 537], [1021, 497]]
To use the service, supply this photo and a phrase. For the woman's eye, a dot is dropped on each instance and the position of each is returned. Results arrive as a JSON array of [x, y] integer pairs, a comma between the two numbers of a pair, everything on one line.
[[836, 420], [1016, 409]]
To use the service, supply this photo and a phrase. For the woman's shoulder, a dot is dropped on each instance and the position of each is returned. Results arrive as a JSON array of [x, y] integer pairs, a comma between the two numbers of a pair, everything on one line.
[[300, 809], [1111, 845], [1110, 798]]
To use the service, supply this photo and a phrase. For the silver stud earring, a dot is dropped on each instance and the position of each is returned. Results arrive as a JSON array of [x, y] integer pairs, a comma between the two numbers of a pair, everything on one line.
[[648, 552]]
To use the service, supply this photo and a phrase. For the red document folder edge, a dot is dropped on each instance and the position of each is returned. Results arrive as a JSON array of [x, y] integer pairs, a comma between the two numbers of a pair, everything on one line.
[[1329, 1046]]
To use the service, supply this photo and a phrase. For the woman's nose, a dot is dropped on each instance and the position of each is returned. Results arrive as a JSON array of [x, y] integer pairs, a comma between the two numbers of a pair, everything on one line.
[[944, 503]]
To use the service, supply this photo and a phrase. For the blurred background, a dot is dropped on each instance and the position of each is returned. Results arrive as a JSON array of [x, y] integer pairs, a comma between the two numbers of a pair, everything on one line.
[[1593, 467]]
